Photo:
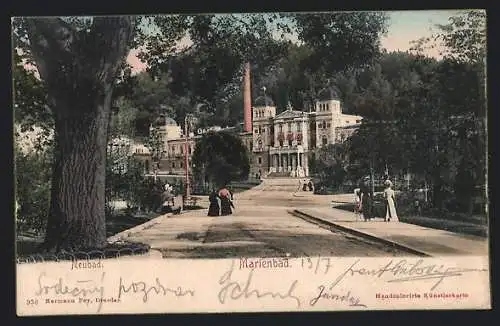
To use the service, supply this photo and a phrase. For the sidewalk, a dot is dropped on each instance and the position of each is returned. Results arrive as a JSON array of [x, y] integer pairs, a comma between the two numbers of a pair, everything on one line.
[[181, 232], [427, 241]]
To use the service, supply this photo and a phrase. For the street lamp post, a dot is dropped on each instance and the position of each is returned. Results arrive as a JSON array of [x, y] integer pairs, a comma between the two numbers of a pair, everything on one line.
[[187, 121]]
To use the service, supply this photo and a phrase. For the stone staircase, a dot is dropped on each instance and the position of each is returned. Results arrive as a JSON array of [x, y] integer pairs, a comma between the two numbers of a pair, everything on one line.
[[278, 175], [276, 183]]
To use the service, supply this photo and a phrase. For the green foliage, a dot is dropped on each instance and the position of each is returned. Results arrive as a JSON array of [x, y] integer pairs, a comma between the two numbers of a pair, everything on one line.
[[32, 187], [357, 33], [221, 44], [155, 144], [329, 165], [123, 119], [220, 157], [463, 38]]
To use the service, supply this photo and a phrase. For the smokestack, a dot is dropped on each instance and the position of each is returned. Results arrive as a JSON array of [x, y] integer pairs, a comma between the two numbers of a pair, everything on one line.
[[247, 99]]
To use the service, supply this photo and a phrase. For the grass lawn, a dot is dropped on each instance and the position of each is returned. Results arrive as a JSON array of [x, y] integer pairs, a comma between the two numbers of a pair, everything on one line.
[[28, 243]]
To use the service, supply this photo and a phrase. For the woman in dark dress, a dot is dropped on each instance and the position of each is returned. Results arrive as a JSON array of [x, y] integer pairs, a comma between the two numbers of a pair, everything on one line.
[[366, 200], [226, 202], [214, 208]]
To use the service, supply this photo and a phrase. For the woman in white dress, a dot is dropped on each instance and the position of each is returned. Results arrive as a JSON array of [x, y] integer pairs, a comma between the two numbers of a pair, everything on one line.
[[390, 200]]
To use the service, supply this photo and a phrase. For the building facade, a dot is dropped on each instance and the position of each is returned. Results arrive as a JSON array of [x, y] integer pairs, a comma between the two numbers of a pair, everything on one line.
[[282, 143], [278, 144]]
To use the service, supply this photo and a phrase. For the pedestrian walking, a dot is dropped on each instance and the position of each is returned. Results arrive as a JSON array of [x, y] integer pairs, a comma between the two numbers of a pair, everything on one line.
[[366, 199], [226, 202], [357, 202], [214, 208], [167, 200], [390, 203]]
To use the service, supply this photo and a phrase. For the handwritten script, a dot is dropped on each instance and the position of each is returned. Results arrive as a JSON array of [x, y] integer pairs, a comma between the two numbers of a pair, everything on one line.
[[235, 290], [157, 288], [405, 271], [325, 293], [83, 288]]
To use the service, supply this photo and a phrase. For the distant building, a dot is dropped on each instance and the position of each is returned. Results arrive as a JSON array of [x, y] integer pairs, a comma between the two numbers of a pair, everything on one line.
[[279, 144], [282, 143]]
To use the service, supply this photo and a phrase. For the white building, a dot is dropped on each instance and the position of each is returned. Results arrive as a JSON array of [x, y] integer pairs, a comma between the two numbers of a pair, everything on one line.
[[279, 144], [282, 143]]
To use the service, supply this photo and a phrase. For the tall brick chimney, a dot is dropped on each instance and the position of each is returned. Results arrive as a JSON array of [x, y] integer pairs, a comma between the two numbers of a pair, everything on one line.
[[247, 99]]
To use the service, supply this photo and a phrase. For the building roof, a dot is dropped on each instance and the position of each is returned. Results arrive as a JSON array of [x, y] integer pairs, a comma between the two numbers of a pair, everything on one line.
[[329, 93], [263, 101], [170, 122], [290, 114]]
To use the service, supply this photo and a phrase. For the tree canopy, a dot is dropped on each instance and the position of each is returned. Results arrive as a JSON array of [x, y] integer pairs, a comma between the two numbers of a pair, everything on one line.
[[220, 157]]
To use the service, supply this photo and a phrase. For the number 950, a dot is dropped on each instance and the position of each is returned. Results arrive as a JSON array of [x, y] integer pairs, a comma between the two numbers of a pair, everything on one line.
[[31, 302]]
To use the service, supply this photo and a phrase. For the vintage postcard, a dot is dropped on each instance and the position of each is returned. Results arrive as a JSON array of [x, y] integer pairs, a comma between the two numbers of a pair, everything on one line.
[[209, 163]]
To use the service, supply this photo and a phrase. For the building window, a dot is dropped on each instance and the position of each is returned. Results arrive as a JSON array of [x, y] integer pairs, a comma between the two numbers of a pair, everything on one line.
[[189, 148], [289, 126], [281, 127], [324, 140], [328, 125], [328, 106], [182, 149], [256, 131], [173, 149], [182, 164], [259, 159], [299, 127], [324, 124], [173, 165]]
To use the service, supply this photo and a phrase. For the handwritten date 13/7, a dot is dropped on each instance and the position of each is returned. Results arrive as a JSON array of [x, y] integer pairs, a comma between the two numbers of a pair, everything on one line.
[[317, 264]]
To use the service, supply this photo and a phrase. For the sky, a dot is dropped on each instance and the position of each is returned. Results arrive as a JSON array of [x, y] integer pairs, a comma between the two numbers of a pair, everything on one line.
[[404, 27]]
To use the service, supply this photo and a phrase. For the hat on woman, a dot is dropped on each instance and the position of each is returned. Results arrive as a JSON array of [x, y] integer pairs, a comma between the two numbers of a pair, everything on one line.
[[388, 183]]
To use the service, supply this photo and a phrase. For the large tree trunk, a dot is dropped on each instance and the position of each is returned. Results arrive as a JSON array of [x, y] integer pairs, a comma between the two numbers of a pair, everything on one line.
[[79, 69], [77, 210]]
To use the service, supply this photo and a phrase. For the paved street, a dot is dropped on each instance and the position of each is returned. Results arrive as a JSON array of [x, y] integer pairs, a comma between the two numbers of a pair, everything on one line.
[[263, 226], [259, 227]]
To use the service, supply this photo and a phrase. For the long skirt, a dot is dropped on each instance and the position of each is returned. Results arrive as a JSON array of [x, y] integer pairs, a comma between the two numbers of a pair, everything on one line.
[[367, 208], [225, 207], [391, 214], [213, 209]]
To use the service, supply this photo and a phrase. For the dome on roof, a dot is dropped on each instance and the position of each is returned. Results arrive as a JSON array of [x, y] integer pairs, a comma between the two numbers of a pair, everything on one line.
[[263, 101], [163, 120], [329, 93], [170, 122]]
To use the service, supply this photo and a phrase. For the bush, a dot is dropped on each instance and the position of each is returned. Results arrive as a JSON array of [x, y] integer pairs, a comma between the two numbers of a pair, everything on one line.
[[33, 185]]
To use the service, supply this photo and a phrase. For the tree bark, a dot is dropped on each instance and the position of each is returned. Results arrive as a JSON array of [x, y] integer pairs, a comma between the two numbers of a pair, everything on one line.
[[79, 68], [77, 210]]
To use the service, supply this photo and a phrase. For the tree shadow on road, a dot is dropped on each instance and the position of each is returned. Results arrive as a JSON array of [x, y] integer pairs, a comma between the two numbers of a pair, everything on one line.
[[237, 240]]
